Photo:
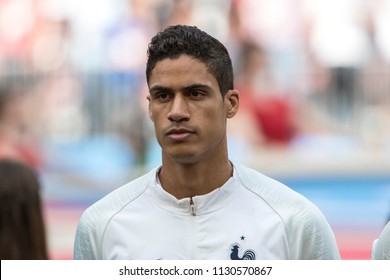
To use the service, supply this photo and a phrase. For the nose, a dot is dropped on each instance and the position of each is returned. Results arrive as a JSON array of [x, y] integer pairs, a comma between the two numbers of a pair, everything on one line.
[[179, 110]]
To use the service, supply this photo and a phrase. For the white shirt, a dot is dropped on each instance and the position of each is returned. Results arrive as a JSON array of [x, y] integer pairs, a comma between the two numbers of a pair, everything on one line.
[[243, 219]]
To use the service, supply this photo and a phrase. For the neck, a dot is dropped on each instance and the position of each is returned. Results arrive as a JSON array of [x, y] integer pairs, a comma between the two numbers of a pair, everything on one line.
[[188, 180]]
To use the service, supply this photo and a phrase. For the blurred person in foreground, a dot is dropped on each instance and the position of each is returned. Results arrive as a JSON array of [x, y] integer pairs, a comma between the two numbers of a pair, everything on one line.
[[22, 228], [198, 204], [381, 246]]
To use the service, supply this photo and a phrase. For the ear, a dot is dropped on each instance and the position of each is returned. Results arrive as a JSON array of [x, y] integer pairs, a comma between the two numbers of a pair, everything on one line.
[[149, 109], [232, 103]]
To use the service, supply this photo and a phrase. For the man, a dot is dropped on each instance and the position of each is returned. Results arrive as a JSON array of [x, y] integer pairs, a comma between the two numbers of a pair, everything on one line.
[[381, 246], [198, 204]]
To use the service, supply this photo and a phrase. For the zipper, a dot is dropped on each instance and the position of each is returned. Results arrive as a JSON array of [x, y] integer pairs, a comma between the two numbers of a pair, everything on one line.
[[192, 207]]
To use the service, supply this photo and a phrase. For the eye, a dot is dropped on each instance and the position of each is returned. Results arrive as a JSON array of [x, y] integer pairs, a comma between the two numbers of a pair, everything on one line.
[[162, 96], [196, 94]]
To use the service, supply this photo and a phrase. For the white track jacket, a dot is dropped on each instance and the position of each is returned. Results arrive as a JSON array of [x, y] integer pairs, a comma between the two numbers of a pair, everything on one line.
[[250, 217]]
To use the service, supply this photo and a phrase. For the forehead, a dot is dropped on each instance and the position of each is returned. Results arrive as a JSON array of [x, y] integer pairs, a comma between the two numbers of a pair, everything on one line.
[[183, 70]]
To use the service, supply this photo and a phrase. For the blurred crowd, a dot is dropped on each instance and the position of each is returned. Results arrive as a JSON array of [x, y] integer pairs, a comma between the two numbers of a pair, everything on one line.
[[312, 74]]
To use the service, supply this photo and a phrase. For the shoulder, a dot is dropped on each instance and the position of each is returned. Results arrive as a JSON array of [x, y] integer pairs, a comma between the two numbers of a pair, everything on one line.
[[94, 220], [117, 199], [276, 194], [306, 228]]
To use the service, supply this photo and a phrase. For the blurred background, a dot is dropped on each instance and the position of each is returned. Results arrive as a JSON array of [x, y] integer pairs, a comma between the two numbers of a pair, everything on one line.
[[314, 78]]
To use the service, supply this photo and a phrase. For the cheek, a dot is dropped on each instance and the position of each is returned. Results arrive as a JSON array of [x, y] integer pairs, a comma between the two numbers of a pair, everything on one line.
[[159, 122], [155, 113], [158, 131], [156, 121], [151, 116], [215, 121]]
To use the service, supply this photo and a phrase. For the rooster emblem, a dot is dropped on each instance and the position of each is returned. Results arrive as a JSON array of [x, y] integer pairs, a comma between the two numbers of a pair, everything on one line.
[[248, 254]]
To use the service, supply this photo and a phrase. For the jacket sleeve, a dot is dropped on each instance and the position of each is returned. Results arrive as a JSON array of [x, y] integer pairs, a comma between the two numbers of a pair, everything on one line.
[[312, 238], [86, 243], [308, 233], [94, 221]]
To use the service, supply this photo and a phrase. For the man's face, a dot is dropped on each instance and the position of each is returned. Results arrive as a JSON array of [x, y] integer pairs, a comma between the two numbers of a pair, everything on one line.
[[188, 111]]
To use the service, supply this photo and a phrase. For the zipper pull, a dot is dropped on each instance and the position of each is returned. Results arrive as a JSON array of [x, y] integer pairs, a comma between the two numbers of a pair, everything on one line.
[[192, 207]]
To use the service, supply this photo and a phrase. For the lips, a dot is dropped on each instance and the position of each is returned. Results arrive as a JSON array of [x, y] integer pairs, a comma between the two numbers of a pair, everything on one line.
[[178, 134]]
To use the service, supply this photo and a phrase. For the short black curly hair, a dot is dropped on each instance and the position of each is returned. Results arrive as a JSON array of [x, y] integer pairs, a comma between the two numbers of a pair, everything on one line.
[[178, 40]]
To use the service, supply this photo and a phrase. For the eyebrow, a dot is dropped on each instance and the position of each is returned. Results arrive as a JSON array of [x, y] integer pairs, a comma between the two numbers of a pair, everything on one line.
[[158, 88], [185, 89], [196, 86]]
